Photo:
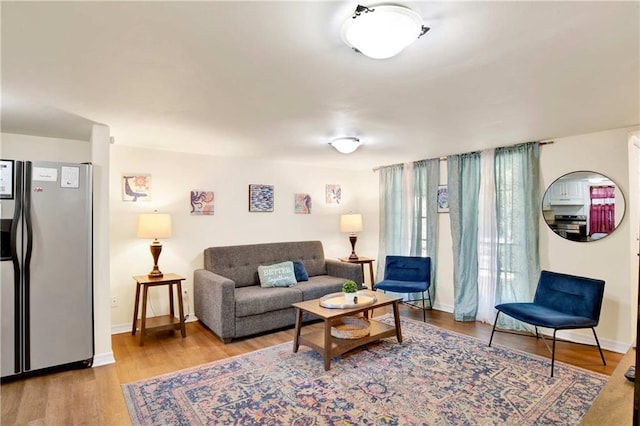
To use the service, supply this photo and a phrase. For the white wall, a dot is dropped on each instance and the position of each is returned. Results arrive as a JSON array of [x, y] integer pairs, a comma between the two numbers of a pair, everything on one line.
[[36, 148], [100, 139], [174, 175], [608, 259], [634, 221]]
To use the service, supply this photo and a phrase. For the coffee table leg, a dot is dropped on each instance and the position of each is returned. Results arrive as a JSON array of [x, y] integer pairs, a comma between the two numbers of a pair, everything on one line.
[[327, 344], [396, 317], [296, 345]]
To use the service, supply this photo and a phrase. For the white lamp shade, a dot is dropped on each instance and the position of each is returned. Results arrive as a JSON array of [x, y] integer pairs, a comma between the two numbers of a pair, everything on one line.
[[351, 222], [383, 32], [154, 225]]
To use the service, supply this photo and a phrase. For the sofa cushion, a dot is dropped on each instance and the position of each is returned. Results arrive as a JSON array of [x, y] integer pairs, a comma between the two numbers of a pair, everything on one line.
[[300, 271], [277, 275], [319, 286], [256, 300]]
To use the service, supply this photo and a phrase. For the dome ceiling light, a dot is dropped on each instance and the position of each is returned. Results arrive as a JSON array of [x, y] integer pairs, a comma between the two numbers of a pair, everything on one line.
[[382, 31], [345, 145]]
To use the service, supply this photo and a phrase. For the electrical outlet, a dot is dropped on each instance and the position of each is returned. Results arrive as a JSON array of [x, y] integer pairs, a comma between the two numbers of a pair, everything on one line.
[[114, 302], [185, 294]]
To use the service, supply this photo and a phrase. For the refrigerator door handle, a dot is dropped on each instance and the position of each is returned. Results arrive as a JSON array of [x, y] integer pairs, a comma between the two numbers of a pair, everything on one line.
[[16, 260], [26, 214]]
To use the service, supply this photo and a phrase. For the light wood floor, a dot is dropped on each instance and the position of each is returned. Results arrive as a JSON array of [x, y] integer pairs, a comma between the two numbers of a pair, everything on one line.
[[93, 396]]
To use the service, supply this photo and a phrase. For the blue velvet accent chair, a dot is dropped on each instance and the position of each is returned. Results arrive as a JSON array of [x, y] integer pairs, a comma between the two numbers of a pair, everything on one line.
[[561, 302], [408, 274]]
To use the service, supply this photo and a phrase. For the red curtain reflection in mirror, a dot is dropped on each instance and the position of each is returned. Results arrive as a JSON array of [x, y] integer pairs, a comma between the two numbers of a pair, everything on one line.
[[602, 212]]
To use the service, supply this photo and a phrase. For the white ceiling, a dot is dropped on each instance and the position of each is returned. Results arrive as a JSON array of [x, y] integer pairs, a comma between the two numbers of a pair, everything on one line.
[[274, 79]]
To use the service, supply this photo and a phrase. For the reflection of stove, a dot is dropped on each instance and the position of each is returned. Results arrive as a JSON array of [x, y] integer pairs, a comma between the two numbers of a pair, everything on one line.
[[571, 226]]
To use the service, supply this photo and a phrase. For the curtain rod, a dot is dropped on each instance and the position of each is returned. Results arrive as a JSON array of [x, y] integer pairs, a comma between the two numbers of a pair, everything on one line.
[[375, 169]]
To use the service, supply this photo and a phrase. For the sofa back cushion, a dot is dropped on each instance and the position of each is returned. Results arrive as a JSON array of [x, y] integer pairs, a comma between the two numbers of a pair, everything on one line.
[[240, 263]]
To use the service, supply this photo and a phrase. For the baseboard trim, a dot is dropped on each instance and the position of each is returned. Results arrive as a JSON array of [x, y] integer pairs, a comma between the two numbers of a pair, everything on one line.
[[587, 339], [569, 335], [103, 359]]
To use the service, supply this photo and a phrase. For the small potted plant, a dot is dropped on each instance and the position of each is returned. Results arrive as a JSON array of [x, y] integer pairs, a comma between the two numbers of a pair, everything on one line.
[[349, 288]]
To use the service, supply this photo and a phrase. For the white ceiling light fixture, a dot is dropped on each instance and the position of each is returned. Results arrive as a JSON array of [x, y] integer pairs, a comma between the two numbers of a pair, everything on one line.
[[382, 31], [345, 145]]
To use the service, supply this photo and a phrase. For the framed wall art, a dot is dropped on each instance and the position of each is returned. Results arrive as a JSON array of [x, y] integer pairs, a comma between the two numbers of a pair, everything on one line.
[[443, 199], [333, 194], [136, 187], [202, 203], [303, 204], [260, 198]]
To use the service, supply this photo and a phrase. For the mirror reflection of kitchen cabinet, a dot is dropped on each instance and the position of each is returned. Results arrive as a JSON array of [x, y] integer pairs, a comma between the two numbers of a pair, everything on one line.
[[568, 192], [583, 206]]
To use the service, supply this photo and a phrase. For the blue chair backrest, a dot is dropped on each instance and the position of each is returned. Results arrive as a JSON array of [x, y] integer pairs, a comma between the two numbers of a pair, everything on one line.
[[408, 268], [570, 294]]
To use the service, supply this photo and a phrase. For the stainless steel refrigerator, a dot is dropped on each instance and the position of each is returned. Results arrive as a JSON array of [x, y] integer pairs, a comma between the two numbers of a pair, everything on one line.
[[46, 266]]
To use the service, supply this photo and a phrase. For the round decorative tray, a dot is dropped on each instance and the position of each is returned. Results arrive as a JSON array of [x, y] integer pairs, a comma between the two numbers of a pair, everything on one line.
[[350, 328], [337, 300]]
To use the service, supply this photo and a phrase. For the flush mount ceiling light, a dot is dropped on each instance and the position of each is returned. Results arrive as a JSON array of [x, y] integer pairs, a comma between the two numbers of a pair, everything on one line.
[[345, 145], [382, 31]]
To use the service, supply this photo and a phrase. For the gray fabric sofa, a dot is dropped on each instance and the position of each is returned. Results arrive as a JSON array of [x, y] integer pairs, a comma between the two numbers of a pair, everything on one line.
[[228, 297]]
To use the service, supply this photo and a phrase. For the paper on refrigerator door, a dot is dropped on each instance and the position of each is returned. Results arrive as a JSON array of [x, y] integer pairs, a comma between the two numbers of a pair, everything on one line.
[[45, 174], [70, 177]]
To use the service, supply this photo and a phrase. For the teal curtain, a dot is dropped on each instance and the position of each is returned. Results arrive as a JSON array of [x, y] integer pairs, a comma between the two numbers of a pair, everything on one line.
[[464, 185], [391, 205], [424, 225], [517, 183]]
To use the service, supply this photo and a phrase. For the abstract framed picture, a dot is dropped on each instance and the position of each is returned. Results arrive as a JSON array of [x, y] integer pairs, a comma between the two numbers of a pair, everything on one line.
[[443, 199], [136, 187], [333, 194], [260, 198], [202, 203], [302, 204]]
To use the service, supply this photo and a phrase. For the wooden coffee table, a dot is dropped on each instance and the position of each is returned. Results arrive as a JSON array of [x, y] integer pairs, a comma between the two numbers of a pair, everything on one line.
[[329, 346]]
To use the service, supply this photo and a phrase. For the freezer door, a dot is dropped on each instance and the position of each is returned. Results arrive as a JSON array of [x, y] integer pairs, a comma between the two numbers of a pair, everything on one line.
[[7, 299], [11, 280], [8, 356], [60, 309]]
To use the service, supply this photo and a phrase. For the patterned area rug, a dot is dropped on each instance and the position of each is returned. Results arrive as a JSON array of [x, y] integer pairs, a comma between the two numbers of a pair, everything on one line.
[[434, 377]]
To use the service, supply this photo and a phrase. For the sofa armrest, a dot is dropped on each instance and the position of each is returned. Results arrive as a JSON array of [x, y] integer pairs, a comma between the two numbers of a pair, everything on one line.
[[214, 302], [348, 271]]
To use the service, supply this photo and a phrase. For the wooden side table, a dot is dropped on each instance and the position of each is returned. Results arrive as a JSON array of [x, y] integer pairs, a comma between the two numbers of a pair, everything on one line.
[[164, 322], [361, 260]]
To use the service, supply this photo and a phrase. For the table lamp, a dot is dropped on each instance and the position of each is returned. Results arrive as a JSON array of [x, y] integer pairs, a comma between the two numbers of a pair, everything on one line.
[[351, 223], [154, 225]]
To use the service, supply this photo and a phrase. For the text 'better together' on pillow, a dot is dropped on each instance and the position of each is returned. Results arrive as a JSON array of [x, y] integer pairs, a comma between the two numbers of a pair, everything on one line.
[[277, 275]]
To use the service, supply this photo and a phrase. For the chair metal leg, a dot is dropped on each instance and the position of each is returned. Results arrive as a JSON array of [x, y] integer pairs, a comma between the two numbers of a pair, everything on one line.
[[553, 351], [422, 305], [494, 328], [599, 348]]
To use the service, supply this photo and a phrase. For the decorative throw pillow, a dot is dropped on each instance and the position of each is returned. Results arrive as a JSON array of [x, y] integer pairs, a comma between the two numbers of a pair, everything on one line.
[[300, 271], [278, 275]]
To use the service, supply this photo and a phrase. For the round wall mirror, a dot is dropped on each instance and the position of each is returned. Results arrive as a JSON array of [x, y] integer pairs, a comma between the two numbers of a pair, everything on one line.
[[583, 206]]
